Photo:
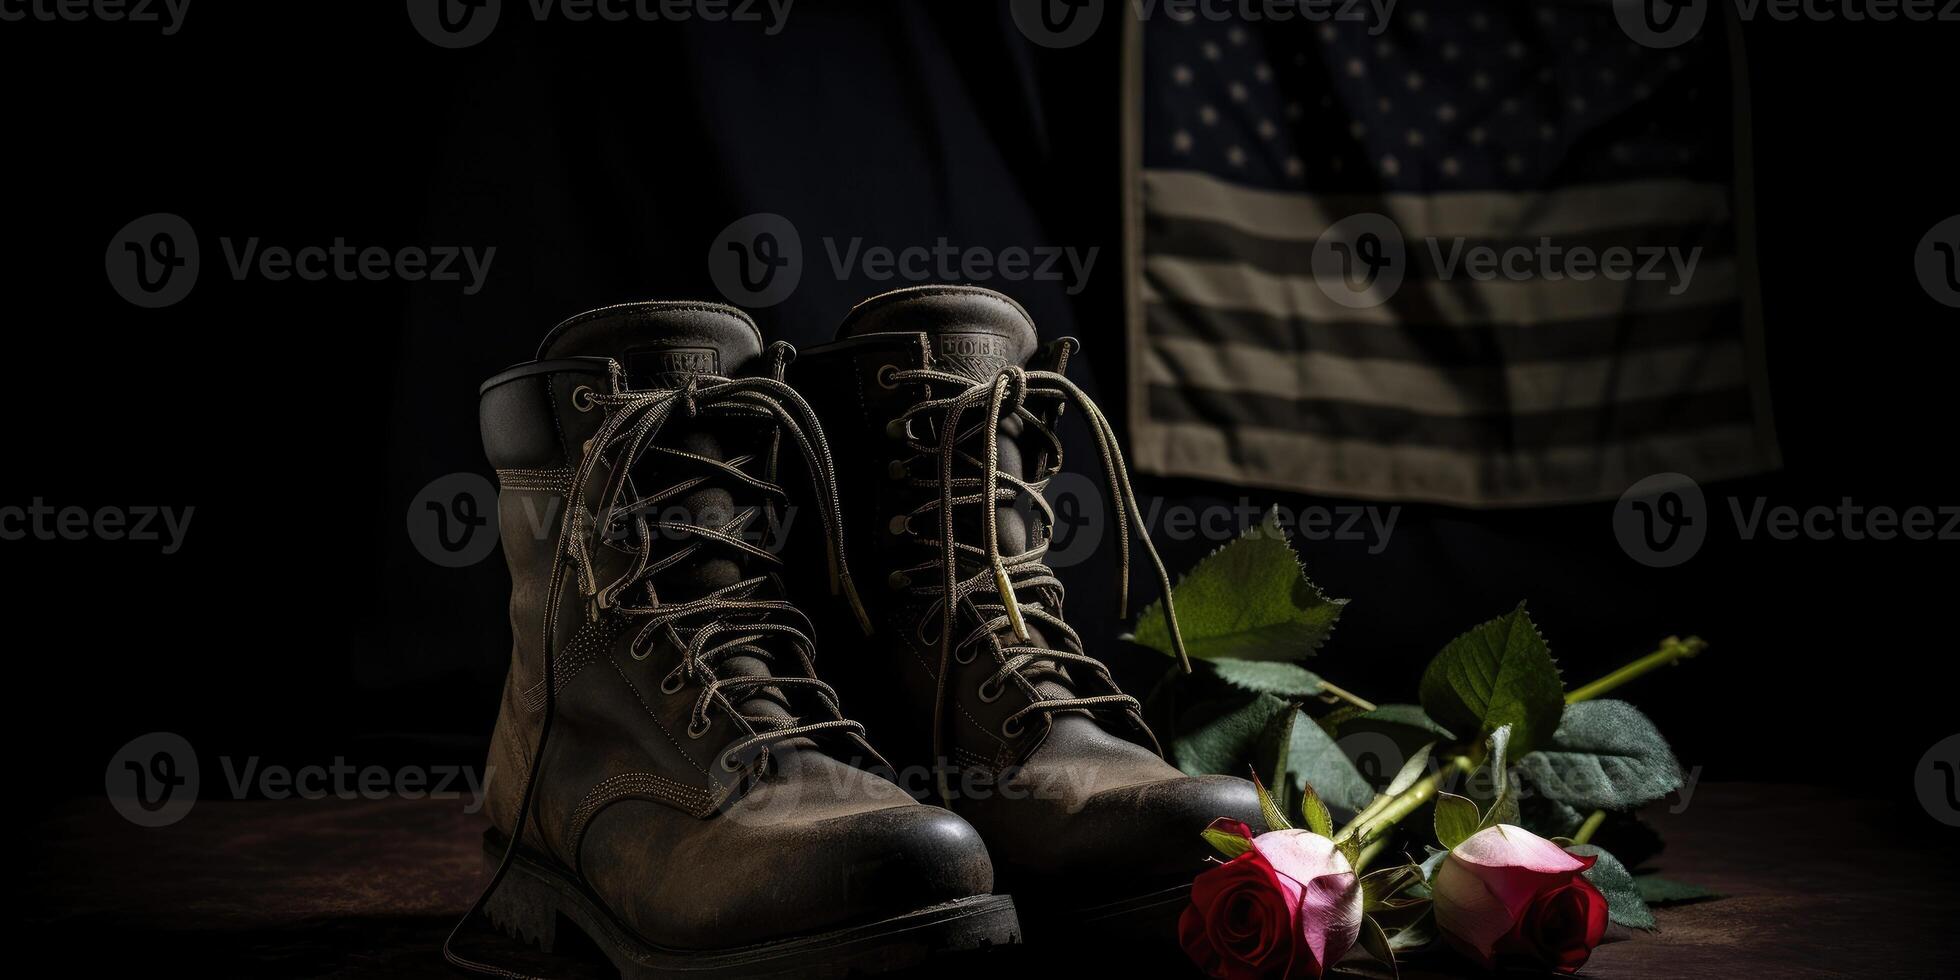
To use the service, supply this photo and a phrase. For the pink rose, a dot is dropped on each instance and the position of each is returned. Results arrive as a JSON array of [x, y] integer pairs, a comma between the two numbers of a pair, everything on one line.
[[1289, 907], [1507, 892]]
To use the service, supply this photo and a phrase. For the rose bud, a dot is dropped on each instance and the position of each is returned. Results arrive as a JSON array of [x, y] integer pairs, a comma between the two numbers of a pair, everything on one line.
[[1289, 907], [1507, 893]]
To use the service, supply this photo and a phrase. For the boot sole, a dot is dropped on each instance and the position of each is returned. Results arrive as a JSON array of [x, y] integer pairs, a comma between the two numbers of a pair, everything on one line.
[[534, 898]]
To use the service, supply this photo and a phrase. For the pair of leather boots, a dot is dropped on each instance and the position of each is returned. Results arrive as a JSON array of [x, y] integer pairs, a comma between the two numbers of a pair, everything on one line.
[[683, 508]]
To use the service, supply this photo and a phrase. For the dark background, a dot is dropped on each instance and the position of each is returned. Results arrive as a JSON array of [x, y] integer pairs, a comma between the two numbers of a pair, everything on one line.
[[600, 160]]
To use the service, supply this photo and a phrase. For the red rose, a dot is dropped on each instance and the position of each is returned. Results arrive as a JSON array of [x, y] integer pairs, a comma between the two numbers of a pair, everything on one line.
[[1289, 907], [1509, 893]]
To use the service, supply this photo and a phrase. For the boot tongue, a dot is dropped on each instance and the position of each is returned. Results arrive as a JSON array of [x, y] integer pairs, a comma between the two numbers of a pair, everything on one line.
[[973, 331], [661, 344]]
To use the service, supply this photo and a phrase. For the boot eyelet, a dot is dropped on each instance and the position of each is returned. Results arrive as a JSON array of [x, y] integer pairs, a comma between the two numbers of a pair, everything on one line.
[[728, 764], [697, 732], [888, 377], [985, 698], [901, 524], [1012, 728], [897, 470], [898, 581], [582, 398], [897, 430], [673, 682]]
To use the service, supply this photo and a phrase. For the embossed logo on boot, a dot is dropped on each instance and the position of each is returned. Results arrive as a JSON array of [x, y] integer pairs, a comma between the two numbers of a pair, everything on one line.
[[976, 355], [670, 366]]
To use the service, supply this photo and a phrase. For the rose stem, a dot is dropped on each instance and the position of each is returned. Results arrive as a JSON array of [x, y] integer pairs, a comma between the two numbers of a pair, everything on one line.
[[1587, 829], [1672, 650]]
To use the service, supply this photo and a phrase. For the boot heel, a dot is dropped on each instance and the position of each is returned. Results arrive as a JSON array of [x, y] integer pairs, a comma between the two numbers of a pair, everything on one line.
[[524, 908]]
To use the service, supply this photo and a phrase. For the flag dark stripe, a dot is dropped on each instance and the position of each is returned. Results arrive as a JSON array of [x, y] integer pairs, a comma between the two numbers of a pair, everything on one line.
[[1450, 345], [1496, 433]]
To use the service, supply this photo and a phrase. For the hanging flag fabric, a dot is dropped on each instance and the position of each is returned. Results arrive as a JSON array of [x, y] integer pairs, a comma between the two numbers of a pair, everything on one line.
[[1480, 253]]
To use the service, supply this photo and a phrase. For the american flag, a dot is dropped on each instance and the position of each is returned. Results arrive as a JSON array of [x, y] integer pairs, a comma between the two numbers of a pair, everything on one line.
[[1306, 313]]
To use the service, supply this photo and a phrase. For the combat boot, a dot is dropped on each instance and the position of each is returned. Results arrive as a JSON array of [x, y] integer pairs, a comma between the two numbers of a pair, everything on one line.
[[943, 409], [676, 778]]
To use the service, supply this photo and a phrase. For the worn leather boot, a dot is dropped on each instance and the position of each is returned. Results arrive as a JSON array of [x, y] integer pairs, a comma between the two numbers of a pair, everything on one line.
[[943, 411], [672, 768]]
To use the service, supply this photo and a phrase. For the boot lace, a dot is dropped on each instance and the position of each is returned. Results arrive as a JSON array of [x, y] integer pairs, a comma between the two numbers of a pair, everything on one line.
[[617, 560], [996, 593]]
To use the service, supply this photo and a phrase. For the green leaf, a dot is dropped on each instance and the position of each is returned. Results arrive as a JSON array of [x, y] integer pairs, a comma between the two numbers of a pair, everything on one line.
[[1275, 756], [1275, 817], [1456, 820], [1431, 864], [1504, 800], [1268, 676], [1314, 759], [1411, 771], [1417, 931], [1315, 812], [1230, 845], [1375, 941], [1379, 888], [1249, 600], [1499, 673], [1405, 716], [1222, 736], [1624, 904], [1605, 755], [1657, 890], [1550, 818]]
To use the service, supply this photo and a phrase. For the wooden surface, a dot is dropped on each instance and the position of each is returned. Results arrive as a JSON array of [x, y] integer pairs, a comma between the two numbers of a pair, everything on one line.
[[1816, 886]]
